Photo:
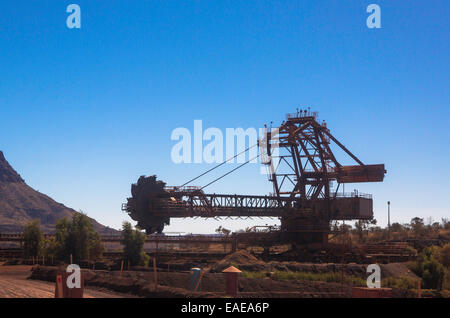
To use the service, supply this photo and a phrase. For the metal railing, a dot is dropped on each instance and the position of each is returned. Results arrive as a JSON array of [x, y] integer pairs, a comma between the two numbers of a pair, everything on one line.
[[353, 195], [184, 189], [302, 113]]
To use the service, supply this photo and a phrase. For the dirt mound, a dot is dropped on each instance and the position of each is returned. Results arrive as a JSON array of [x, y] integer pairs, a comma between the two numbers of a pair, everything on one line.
[[241, 259], [397, 270], [20, 204]]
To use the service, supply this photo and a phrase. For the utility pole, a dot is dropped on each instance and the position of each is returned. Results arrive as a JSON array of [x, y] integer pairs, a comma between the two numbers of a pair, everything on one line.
[[389, 220]]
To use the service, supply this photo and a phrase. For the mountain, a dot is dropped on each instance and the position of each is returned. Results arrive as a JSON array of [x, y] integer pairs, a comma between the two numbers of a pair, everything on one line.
[[19, 203]]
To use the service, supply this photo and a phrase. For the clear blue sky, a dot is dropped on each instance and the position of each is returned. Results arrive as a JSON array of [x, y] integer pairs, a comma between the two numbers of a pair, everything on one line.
[[85, 112]]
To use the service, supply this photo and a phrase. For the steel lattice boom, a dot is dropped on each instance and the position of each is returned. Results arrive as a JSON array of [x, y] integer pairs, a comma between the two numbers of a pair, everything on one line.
[[306, 178]]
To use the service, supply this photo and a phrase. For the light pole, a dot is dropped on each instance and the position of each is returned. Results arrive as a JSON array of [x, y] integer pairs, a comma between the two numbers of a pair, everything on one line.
[[389, 220]]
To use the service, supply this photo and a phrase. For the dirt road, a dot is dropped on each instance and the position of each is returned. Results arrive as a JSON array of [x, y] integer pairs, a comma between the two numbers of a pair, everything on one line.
[[14, 284]]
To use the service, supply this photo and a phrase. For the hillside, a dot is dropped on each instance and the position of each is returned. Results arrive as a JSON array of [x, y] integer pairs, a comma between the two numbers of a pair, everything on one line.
[[19, 203]]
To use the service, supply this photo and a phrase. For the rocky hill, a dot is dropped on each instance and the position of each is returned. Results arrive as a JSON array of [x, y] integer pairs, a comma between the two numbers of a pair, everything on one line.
[[20, 203]]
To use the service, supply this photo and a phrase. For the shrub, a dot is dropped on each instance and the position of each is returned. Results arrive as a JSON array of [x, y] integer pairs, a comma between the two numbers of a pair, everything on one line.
[[446, 284], [445, 255], [330, 277], [433, 274], [402, 282], [429, 268]]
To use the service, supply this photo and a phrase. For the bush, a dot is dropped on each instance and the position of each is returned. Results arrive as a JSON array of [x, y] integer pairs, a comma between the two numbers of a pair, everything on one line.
[[402, 283], [429, 268], [433, 274], [446, 284], [411, 250], [445, 255], [331, 277]]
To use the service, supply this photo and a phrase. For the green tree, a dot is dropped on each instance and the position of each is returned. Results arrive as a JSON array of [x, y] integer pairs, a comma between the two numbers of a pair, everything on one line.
[[133, 245], [418, 227], [396, 227], [50, 248], [32, 239], [77, 238], [362, 228], [96, 247], [445, 223], [57, 247]]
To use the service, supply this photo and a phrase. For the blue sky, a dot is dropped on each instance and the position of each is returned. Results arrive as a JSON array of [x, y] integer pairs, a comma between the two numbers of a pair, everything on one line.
[[85, 112]]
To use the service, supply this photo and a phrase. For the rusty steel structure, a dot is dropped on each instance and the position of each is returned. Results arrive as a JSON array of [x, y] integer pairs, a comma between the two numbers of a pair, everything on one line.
[[306, 178]]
